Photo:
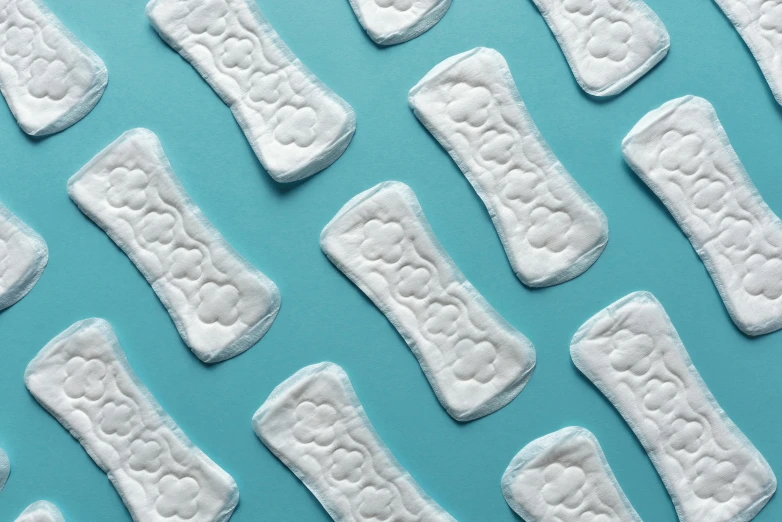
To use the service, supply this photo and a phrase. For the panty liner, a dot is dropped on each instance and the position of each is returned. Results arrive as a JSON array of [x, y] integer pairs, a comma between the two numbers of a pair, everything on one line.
[[314, 423], [608, 44], [633, 354], [475, 361], [5, 469], [296, 125], [83, 379], [682, 153], [48, 77], [564, 477], [390, 22], [23, 256], [41, 511], [551, 230], [220, 304], [758, 23]]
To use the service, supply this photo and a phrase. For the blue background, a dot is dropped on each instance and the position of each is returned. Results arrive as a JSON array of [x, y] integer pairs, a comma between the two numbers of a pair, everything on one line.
[[323, 316]]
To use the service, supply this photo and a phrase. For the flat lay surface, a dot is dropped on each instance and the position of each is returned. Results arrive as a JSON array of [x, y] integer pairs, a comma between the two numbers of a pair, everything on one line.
[[323, 315]]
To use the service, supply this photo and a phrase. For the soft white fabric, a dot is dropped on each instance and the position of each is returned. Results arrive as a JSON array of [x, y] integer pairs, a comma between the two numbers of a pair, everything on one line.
[[564, 477], [759, 22], [682, 152], [551, 230], [633, 354], [41, 511], [609, 44], [5, 469], [220, 304], [475, 361], [390, 22], [83, 379], [23, 256], [314, 423], [296, 125], [48, 77]]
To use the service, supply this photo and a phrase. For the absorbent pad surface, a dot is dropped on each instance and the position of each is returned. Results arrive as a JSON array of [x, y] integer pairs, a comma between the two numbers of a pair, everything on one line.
[[314, 423], [220, 304], [475, 361], [550, 229], [634, 355], [84, 380]]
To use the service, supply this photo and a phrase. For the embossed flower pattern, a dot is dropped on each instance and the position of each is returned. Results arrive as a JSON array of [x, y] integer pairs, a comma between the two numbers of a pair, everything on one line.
[[177, 497], [145, 455], [19, 41], [399, 5], [413, 282], [84, 378], [496, 147], [681, 152], [115, 418], [347, 465], [630, 352], [315, 423], [264, 87], [442, 319], [469, 104], [709, 194], [714, 479], [296, 126], [187, 263], [764, 276], [658, 395], [584, 7], [375, 503], [522, 185], [382, 241], [563, 485], [237, 52], [686, 435], [127, 188], [737, 233], [474, 360], [208, 17], [218, 303], [549, 229], [48, 79], [158, 227], [609, 39]]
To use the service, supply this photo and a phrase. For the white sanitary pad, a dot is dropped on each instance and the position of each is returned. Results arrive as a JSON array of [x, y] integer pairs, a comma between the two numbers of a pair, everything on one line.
[[83, 379], [609, 44], [295, 124], [633, 354], [390, 22], [564, 477], [49, 78], [551, 230], [475, 361], [5, 469], [759, 22], [314, 423], [220, 304], [682, 152], [41, 511], [23, 256]]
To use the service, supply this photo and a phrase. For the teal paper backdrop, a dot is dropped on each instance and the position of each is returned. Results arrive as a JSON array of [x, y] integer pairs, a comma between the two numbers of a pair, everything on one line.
[[323, 316]]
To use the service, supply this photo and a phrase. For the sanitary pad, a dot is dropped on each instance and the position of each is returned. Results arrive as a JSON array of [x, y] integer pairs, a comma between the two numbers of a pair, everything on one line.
[[475, 361], [314, 423], [682, 152], [633, 354], [220, 304], [41, 511], [564, 477], [83, 379], [551, 230], [295, 124], [759, 23], [390, 22], [49, 78], [23, 256], [609, 44], [5, 469]]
